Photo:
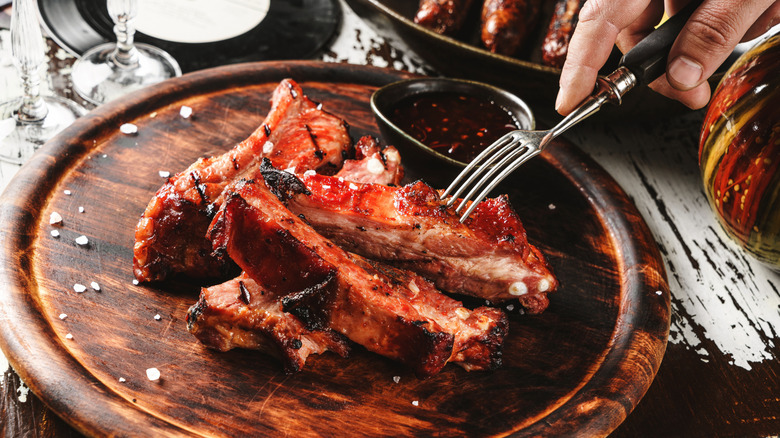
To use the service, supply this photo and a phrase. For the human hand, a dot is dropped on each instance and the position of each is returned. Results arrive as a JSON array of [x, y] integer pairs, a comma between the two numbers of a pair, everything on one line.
[[707, 39]]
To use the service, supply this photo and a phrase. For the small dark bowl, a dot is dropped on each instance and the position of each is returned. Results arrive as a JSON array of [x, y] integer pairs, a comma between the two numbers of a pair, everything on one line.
[[417, 156]]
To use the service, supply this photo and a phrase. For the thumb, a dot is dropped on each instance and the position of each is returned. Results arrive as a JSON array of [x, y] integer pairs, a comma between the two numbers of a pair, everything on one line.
[[708, 38]]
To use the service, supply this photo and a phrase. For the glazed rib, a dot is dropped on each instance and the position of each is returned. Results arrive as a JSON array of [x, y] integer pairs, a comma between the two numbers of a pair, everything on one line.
[[443, 16], [398, 315], [241, 314], [488, 257], [296, 135], [506, 24]]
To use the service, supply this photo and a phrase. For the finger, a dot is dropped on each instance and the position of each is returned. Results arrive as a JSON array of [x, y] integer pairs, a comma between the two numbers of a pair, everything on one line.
[[641, 27], [708, 38], [600, 21], [695, 98], [765, 22]]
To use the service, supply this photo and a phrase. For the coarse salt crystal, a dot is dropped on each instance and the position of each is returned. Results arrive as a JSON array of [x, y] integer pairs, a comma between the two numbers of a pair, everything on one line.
[[164, 174], [135, 282], [69, 336], [63, 316], [415, 403], [659, 293], [55, 218], [268, 147], [153, 115], [153, 374], [82, 240], [55, 233], [67, 192], [128, 128], [551, 206], [104, 155], [353, 186], [157, 317], [122, 380], [95, 286], [79, 288], [396, 379], [81, 209], [185, 111], [510, 307], [375, 166]]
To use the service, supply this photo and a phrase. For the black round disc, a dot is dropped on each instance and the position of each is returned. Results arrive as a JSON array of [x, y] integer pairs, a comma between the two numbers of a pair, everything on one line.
[[289, 30]]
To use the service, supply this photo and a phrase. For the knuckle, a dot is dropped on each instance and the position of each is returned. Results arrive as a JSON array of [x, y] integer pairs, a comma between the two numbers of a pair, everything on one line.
[[713, 30]]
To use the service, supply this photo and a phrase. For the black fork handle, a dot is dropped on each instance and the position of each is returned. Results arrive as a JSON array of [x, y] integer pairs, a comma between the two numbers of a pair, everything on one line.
[[647, 60]]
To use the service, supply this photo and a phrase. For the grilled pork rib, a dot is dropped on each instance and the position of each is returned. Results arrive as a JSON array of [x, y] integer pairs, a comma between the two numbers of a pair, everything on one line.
[[394, 313], [373, 164], [296, 135], [241, 314], [489, 256]]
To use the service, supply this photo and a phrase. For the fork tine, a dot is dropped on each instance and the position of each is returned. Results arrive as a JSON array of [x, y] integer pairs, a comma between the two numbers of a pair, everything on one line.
[[527, 155], [511, 151], [486, 155]]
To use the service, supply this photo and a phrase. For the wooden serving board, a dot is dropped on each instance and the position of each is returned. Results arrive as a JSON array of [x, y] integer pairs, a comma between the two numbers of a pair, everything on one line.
[[580, 367]]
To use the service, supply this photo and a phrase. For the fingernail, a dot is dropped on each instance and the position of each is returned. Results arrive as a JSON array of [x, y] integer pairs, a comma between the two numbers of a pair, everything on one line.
[[685, 72], [559, 100]]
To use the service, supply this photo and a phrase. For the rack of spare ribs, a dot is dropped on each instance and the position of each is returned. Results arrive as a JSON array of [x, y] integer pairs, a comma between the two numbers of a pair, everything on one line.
[[333, 251]]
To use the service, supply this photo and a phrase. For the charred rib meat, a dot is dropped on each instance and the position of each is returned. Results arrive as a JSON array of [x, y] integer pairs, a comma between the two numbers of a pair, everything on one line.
[[241, 314], [297, 135], [489, 256], [394, 313]]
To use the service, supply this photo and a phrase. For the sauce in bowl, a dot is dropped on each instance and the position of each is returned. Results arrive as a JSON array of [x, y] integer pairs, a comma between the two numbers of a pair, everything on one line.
[[453, 124]]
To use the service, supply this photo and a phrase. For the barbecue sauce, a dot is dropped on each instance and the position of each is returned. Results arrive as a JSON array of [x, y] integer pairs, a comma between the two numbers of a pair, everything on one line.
[[455, 125]]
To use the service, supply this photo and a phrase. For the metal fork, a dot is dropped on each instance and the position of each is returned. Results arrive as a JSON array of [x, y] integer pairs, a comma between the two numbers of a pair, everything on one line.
[[641, 65]]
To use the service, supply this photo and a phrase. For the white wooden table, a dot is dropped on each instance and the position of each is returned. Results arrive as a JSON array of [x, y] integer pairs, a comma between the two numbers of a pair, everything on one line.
[[726, 306]]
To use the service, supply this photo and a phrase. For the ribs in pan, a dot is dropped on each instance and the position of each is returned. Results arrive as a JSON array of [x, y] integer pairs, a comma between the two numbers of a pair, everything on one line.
[[391, 312]]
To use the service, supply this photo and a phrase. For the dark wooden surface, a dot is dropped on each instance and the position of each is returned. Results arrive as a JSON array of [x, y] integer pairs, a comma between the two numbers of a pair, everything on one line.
[[578, 368]]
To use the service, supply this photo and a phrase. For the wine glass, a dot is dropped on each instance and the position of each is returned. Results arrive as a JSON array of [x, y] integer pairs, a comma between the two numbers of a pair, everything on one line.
[[111, 70], [27, 122]]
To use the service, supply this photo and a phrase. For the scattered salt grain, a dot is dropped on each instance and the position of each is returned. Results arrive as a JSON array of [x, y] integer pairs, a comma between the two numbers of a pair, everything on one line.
[[510, 307], [353, 186], [164, 174], [153, 115], [551, 206], [659, 292], [185, 111], [81, 209], [157, 317], [415, 403], [122, 380], [135, 282], [69, 336], [396, 379], [82, 240], [128, 128], [375, 166], [153, 374], [63, 316], [55, 233], [79, 288], [95, 286], [55, 218], [67, 192], [268, 147], [104, 155]]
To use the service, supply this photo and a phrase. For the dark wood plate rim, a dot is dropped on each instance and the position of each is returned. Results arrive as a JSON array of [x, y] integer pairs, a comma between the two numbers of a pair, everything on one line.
[[598, 406]]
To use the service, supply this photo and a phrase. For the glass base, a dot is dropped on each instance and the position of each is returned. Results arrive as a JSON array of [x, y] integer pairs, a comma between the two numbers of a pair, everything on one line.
[[98, 78], [19, 140]]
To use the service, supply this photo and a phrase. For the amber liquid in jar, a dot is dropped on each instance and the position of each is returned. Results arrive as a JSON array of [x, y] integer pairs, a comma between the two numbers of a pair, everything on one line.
[[453, 124]]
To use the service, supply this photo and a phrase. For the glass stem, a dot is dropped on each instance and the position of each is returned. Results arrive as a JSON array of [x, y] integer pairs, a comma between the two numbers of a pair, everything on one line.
[[123, 12], [28, 52]]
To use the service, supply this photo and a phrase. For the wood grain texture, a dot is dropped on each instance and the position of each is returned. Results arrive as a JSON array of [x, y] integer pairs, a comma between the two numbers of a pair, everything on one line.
[[580, 367]]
